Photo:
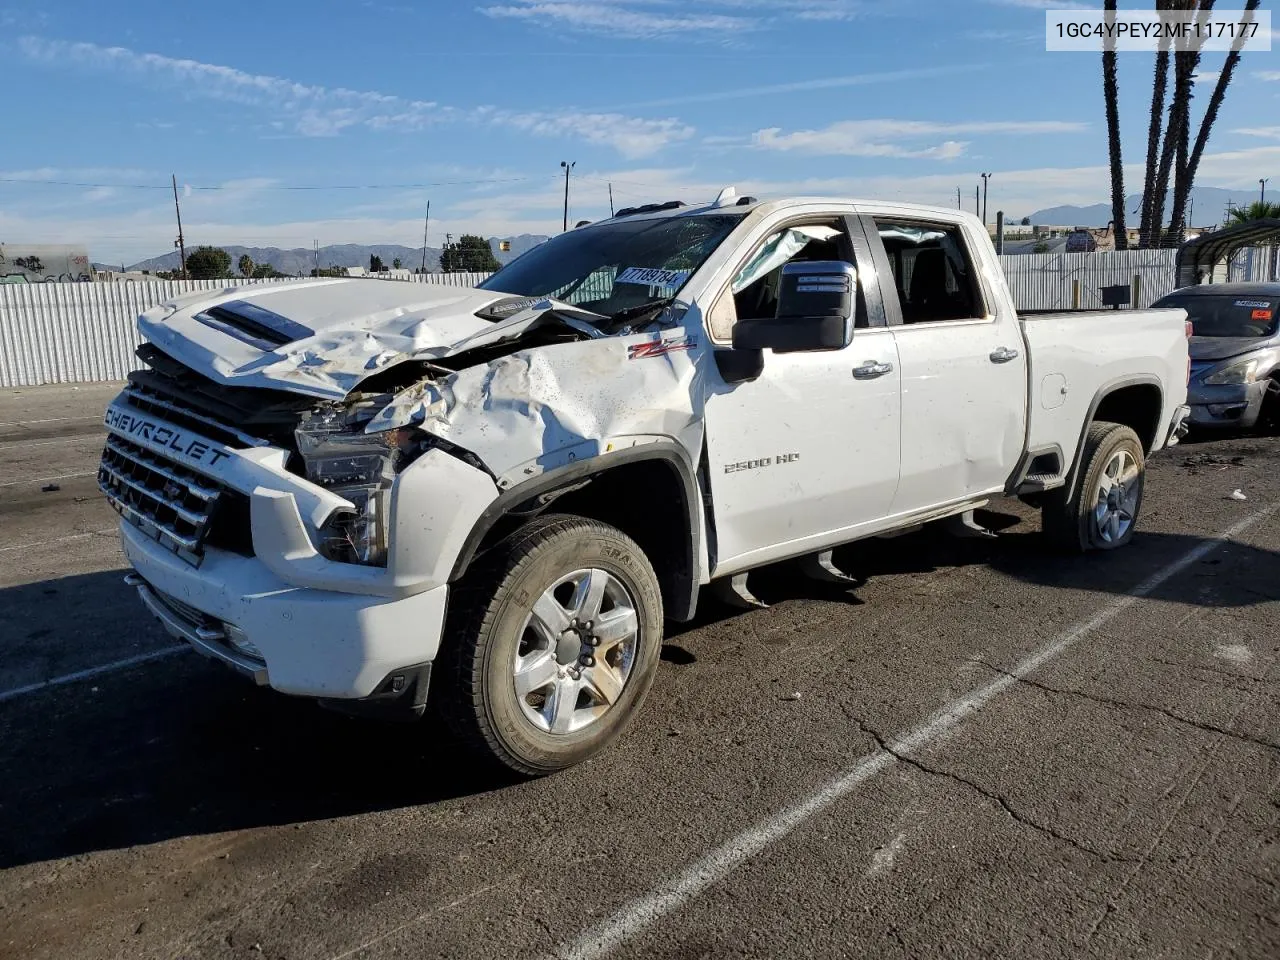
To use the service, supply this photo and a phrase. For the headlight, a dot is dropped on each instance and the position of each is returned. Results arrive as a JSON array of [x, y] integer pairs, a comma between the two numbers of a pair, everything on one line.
[[1244, 372], [358, 467]]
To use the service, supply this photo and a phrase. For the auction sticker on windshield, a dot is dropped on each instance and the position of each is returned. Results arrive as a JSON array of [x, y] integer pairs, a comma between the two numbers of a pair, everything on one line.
[[652, 277]]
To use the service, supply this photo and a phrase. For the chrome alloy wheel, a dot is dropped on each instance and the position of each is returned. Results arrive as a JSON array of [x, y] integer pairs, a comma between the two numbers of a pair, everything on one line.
[[576, 651], [1116, 504]]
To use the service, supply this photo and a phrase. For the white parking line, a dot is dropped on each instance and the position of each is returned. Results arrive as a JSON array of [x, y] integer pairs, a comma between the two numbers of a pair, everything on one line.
[[95, 437], [92, 672], [30, 423], [47, 543], [674, 892], [61, 476]]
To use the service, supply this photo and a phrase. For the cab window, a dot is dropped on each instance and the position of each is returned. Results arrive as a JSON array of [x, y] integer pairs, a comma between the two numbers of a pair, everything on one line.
[[932, 272], [753, 292]]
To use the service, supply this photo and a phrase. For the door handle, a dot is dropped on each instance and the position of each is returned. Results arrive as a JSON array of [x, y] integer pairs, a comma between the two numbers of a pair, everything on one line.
[[1003, 355], [870, 370]]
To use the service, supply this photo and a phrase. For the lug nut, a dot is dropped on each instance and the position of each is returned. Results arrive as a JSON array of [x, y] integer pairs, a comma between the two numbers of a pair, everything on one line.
[[588, 661], [593, 641]]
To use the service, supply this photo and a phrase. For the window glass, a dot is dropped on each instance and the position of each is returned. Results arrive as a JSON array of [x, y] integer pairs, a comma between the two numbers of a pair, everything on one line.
[[617, 265], [931, 271], [1228, 316]]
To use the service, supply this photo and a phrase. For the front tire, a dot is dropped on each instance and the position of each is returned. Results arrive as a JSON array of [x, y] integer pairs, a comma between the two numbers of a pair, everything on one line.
[[551, 645], [1101, 513]]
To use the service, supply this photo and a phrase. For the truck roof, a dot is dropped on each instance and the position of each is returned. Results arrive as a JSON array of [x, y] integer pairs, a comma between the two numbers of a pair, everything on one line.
[[745, 205]]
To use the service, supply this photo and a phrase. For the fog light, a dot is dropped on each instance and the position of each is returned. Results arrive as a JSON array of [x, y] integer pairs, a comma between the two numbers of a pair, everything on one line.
[[242, 644]]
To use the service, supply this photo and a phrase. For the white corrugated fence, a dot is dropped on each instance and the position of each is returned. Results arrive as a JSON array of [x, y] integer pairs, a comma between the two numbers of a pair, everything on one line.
[[77, 332]]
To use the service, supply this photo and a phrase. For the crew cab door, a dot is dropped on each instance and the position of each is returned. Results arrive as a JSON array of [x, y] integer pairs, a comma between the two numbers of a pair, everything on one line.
[[963, 360], [810, 446]]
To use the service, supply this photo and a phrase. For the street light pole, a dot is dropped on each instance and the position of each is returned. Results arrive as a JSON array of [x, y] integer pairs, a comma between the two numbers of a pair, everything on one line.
[[567, 167], [985, 178], [1262, 182]]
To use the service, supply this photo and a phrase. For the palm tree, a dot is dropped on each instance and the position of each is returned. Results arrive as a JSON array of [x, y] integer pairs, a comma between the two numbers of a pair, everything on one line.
[[1146, 228], [1258, 210], [1111, 94], [1177, 221]]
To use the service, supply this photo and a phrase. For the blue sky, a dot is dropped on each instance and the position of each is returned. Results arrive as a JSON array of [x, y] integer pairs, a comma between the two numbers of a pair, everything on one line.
[[474, 103]]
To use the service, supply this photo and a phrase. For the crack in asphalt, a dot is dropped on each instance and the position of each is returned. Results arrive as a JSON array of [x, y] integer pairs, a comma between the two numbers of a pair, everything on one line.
[[997, 798], [1128, 705]]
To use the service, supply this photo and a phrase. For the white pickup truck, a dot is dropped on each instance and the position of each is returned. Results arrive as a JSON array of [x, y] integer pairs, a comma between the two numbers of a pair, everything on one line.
[[354, 490]]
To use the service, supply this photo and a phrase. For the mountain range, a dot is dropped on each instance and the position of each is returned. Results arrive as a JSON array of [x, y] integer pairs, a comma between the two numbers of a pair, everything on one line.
[[301, 260], [1208, 206]]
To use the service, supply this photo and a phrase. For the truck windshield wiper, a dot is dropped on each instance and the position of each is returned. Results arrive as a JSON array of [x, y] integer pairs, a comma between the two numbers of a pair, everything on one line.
[[641, 310]]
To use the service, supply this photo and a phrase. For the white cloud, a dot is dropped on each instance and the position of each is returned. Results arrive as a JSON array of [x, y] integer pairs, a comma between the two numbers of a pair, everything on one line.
[[899, 138], [1268, 74], [668, 19], [620, 21], [147, 230], [311, 110], [803, 86], [1271, 132], [1207, 77]]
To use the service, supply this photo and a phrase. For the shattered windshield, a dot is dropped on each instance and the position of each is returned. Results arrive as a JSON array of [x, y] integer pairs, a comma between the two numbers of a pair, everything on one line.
[[616, 267], [1228, 316]]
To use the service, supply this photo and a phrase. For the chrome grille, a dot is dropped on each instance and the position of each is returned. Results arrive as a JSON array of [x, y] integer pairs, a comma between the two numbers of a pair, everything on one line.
[[171, 409], [166, 501]]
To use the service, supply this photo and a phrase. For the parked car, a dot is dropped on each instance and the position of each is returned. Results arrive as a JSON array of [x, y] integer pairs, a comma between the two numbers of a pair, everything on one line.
[[361, 492], [1235, 353]]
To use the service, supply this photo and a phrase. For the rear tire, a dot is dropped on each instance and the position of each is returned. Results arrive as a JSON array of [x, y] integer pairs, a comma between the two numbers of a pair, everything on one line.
[[551, 644], [1101, 512]]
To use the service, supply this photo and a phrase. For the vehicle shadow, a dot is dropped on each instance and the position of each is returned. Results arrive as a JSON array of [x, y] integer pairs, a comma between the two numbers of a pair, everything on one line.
[[181, 746]]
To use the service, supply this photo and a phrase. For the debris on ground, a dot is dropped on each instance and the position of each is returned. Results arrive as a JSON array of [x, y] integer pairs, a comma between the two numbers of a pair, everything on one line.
[[50, 488], [1212, 460], [792, 697], [1237, 495]]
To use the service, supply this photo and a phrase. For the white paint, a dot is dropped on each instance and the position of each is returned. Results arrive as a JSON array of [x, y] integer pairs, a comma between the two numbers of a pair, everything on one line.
[[49, 543], [883, 858], [1235, 652], [31, 423], [61, 476], [92, 672], [677, 890], [24, 444]]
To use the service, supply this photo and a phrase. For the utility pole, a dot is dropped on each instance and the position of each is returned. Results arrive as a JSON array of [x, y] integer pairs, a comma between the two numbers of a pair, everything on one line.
[[315, 245], [957, 198], [425, 223], [567, 167], [180, 243], [977, 200], [611, 199], [1262, 193], [985, 178]]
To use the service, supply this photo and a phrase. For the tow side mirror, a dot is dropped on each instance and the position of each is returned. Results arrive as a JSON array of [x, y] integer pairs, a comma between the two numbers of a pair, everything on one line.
[[816, 303]]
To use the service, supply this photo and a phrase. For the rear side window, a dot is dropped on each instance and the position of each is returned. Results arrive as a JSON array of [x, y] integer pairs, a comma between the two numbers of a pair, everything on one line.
[[1228, 316], [932, 271]]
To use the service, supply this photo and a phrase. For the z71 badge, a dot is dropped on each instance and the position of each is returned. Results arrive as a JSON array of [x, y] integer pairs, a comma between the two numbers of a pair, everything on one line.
[[660, 348]]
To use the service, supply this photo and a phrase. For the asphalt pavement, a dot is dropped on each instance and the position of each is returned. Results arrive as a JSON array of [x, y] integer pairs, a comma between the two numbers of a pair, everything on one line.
[[985, 750]]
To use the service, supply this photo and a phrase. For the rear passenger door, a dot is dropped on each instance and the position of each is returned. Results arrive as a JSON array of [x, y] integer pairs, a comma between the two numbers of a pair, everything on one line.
[[964, 369]]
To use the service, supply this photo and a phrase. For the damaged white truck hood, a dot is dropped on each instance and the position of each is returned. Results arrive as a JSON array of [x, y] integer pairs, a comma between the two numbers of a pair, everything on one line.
[[318, 338]]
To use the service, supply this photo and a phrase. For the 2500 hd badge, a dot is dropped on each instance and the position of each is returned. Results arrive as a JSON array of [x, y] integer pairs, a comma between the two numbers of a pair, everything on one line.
[[777, 461]]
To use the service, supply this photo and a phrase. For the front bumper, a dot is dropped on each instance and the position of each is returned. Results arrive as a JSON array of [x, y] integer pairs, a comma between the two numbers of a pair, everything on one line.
[[1226, 405], [297, 640]]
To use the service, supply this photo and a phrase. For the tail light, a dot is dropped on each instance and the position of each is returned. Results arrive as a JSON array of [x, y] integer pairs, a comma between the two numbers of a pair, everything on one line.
[[1190, 328]]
